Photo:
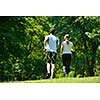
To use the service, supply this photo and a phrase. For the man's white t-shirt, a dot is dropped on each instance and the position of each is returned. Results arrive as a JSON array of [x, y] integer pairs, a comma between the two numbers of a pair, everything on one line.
[[51, 43], [67, 47]]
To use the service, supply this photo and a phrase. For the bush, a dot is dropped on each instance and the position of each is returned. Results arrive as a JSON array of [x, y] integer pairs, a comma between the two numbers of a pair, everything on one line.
[[97, 71], [71, 74], [79, 75], [59, 74]]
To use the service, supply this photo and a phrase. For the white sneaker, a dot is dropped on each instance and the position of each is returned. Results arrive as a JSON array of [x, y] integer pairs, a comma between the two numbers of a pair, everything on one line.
[[64, 70]]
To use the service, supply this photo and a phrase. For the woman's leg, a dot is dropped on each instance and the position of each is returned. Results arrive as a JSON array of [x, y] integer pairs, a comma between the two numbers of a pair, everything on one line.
[[64, 63], [68, 61]]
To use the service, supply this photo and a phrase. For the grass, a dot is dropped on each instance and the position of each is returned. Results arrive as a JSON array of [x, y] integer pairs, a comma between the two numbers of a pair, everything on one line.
[[95, 79]]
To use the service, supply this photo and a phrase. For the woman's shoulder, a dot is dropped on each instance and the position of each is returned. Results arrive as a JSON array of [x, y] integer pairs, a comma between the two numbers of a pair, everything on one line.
[[70, 42], [63, 41]]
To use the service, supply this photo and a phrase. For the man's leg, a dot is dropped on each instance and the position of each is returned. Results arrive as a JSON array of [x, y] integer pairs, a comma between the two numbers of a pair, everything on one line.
[[48, 70], [53, 60], [52, 70], [48, 64]]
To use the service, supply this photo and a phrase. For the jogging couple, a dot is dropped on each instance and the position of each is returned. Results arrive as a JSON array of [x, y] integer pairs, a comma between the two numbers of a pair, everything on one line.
[[51, 44]]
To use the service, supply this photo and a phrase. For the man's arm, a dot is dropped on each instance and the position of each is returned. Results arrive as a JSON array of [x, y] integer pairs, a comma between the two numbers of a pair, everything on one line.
[[44, 45], [45, 42], [57, 42]]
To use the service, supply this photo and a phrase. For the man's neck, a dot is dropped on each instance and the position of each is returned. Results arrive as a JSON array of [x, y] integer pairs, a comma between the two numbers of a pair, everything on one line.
[[52, 34]]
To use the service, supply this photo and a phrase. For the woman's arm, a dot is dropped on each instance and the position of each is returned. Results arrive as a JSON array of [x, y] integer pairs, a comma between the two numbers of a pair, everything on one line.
[[61, 49], [73, 49]]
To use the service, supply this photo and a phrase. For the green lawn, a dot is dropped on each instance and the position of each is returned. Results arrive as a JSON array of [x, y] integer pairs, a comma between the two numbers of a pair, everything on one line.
[[65, 80]]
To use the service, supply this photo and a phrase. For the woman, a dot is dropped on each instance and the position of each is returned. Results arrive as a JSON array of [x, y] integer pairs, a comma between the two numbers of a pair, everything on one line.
[[66, 52]]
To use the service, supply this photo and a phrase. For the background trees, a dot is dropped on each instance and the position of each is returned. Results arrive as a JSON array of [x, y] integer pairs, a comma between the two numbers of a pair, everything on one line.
[[21, 45]]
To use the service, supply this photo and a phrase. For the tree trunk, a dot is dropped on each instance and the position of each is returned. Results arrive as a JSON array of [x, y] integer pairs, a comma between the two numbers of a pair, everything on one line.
[[93, 60]]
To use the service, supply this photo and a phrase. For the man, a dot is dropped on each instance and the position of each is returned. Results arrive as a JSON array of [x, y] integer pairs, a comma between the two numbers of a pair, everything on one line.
[[51, 44]]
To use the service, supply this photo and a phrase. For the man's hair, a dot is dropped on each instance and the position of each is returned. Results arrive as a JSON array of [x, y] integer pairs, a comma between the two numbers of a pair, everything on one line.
[[52, 30]]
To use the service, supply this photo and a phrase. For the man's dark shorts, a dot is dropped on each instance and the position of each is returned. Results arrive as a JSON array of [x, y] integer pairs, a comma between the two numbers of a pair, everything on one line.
[[51, 57]]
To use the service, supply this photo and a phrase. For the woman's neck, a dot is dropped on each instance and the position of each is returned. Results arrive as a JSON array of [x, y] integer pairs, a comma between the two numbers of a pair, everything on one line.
[[67, 41]]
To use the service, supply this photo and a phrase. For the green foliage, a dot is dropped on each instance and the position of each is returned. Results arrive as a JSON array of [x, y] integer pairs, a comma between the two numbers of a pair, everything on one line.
[[97, 70], [79, 75], [59, 73], [71, 74]]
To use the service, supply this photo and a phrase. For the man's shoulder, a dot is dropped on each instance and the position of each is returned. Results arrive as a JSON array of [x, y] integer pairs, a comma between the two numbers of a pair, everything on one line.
[[46, 36], [53, 36]]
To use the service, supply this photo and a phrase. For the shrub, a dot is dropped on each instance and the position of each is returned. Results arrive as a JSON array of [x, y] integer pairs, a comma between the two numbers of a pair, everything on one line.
[[59, 74], [71, 74], [97, 70], [79, 75]]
